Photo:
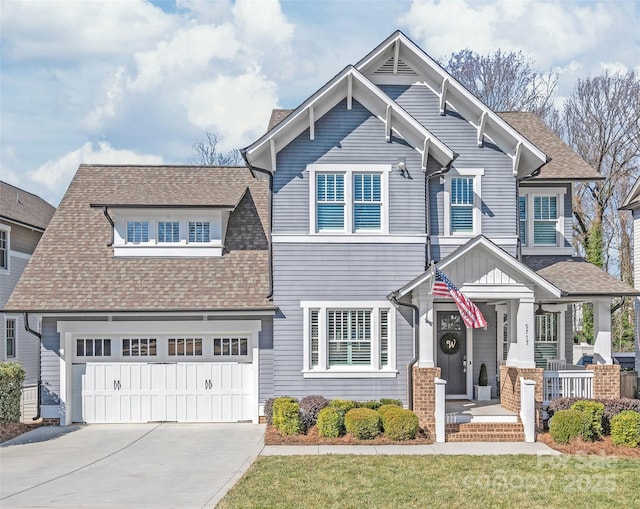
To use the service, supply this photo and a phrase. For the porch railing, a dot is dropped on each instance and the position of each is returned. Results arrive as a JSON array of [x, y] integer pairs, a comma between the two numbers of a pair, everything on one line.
[[567, 384]]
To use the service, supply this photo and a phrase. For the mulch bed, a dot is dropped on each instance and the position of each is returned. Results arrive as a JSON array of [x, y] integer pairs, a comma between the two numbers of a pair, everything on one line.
[[273, 436], [11, 430], [601, 447]]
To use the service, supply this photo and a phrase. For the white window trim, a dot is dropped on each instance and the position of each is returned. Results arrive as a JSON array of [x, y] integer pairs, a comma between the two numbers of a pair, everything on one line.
[[7, 229], [559, 248], [348, 170], [477, 174], [323, 370]]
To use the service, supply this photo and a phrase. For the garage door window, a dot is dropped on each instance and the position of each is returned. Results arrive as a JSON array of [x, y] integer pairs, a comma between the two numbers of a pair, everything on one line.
[[93, 347], [182, 347], [230, 347], [139, 347]]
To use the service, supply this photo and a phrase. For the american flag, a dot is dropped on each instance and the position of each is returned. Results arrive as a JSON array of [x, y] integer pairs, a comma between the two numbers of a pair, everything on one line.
[[471, 315]]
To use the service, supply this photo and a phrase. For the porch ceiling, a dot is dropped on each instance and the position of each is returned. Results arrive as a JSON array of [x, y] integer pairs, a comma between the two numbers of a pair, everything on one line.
[[578, 278]]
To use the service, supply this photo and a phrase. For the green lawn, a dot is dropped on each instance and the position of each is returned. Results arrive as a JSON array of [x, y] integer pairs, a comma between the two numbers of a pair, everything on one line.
[[438, 481]]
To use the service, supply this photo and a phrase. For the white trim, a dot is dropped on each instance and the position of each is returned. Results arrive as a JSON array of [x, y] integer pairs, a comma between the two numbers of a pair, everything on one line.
[[323, 370], [20, 255], [348, 238], [476, 174], [16, 319], [349, 170], [459, 240], [7, 229]]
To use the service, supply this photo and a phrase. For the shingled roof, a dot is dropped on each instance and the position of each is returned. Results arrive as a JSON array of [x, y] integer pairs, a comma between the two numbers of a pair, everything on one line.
[[577, 277], [73, 268], [565, 164], [25, 208]]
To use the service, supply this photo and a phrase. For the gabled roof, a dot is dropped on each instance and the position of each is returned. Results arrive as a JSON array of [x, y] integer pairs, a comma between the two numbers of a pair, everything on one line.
[[73, 268], [632, 201], [565, 164], [19, 206], [398, 47], [492, 250], [577, 277], [349, 84]]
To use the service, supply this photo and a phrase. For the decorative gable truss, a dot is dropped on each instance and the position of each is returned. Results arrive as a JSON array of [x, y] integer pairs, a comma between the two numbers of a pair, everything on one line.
[[349, 84], [399, 61]]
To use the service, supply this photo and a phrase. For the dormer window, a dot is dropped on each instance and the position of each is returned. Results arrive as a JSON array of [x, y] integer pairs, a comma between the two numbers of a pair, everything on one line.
[[168, 232]]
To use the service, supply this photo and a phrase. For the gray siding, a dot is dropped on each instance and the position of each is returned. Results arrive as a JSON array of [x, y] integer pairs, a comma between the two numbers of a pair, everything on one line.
[[338, 272], [484, 348], [347, 136], [498, 191], [50, 362]]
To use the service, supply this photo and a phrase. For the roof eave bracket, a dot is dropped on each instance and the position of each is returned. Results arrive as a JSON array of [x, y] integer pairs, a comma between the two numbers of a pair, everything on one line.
[[443, 95]]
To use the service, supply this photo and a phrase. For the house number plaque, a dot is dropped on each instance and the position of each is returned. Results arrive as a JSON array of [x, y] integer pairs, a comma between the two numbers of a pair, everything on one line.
[[449, 343]]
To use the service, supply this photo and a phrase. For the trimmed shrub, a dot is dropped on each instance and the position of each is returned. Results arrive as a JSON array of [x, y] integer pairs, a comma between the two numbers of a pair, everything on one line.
[[483, 377], [567, 425], [330, 422], [402, 425], [625, 429], [595, 412], [286, 415], [11, 377], [362, 423], [310, 406], [373, 405], [612, 407], [268, 410], [388, 401], [387, 410], [343, 405]]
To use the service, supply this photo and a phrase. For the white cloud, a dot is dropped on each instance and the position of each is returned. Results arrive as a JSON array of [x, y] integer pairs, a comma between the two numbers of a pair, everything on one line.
[[263, 25], [72, 30], [241, 116], [614, 67], [56, 175]]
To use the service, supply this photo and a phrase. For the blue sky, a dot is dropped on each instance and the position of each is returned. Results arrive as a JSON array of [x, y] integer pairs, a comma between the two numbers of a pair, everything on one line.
[[136, 82]]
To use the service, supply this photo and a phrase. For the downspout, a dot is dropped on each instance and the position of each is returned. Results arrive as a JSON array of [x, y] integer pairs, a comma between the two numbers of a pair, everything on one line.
[[427, 210], [39, 361], [416, 313], [105, 211], [253, 169]]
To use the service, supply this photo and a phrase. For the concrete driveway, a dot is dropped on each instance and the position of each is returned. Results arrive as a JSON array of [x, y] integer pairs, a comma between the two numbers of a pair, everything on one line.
[[126, 465]]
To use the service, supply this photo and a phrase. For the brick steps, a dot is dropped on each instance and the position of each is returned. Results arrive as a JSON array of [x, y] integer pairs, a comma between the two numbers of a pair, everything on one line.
[[484, 432]]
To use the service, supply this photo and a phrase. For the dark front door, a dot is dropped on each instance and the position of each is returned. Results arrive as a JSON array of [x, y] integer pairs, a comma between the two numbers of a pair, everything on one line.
[[452, 351]]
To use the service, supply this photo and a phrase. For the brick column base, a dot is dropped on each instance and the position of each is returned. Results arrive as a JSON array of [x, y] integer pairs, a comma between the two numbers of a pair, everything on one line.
[[424, 397], [606, 381], [510, 389]]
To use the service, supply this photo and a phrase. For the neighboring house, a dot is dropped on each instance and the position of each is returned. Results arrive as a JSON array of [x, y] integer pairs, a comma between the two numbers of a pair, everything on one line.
[[388, 167], [632, 203], [23, 219]]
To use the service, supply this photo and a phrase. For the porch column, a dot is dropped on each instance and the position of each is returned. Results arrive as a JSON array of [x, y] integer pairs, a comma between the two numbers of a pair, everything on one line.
[[526, 333], [424, 301], [602, 331]]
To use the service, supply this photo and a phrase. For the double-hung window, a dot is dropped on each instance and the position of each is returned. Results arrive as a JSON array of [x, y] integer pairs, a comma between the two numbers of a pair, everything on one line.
[[462, 201], [349, 199], [341, 339], [330, 201], [10, 338], [541, 220], [168, 231], [199, 231], [137, 232]]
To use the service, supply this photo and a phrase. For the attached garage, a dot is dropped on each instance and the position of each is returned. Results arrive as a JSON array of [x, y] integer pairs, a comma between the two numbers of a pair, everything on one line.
[[125, 372]]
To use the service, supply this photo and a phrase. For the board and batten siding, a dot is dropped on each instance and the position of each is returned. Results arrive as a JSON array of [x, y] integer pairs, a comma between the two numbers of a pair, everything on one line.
[[344, 272], [347, 137]]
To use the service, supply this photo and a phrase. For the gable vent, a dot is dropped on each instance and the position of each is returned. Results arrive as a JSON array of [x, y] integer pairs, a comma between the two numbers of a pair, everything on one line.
[[403, 69]]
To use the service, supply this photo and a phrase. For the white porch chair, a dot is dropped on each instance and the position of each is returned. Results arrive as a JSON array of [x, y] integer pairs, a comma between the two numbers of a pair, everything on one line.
[[556, 364]]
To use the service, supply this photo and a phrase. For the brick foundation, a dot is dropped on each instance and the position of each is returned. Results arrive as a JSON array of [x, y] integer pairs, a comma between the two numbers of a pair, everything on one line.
[[606, 381], [424, 397], [50, 421], [510, 389], [485, 432]]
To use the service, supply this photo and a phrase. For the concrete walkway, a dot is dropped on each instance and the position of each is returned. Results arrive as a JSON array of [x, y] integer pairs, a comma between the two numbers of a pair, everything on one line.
[[470, 448]]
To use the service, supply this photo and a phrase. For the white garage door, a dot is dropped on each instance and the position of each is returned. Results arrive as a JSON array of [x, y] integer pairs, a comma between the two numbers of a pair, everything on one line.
[[118, 392]]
